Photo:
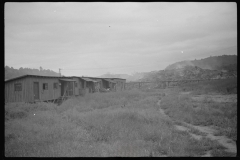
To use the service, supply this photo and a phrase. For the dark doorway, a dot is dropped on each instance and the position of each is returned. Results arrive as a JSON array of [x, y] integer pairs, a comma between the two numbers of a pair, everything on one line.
[[62, 88], [36, 90]]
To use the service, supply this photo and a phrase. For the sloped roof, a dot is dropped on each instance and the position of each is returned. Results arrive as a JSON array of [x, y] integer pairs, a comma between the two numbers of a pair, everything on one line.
[[105, 78], [109, 80], [40, 76], [88, 79], [68, 80]]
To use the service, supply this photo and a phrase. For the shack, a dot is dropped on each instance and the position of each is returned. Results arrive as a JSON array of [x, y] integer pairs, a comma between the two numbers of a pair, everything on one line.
[[99, 84], [120, 83], [85, 85], [109, 84], [34, 88], [105, 84]]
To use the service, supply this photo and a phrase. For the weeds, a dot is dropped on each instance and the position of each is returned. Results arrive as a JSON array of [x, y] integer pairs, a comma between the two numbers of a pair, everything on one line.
[[97, 125], [223, 86]]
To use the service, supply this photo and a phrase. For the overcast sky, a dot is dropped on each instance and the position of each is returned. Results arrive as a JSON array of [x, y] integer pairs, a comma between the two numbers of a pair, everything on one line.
[[94, 38]]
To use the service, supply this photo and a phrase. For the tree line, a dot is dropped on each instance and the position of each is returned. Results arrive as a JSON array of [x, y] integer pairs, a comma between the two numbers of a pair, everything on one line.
[[10, 72]]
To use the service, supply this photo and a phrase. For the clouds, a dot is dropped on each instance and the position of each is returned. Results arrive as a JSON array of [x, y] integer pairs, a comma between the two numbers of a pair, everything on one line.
[[55, 35]]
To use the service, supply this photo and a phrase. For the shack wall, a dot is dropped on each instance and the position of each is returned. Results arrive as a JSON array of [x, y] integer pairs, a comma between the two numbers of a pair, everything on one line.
[[48, 94], [120, 84], [82, 87], [27, 93], [18, 96], [78, 87]]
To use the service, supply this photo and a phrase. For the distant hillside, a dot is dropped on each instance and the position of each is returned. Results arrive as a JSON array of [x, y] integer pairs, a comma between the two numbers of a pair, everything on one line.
[[133, 77], [189, 72], [224, 62], [212, 67], [10, 72]]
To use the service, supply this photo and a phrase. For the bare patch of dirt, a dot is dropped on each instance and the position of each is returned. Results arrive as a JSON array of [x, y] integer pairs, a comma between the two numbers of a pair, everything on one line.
[[223, 140], [161, 110]]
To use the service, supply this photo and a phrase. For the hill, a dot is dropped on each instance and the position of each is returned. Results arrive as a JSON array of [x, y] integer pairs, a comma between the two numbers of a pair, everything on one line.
[[212, 67], [224, 62], [10, 72]]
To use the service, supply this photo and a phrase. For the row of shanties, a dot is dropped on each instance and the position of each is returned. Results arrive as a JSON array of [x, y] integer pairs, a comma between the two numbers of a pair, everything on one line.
[[34, 88]]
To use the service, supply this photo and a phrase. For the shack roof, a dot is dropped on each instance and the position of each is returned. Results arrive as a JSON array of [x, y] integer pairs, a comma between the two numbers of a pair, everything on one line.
[[8, 80], [109, 80], [67, 80], [39, 76], [87, 79], [105, 78], [92, 79]]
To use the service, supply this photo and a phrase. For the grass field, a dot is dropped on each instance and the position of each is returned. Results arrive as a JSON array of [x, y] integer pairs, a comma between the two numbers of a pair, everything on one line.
[[118, 124], [223, 86], [223, 115]]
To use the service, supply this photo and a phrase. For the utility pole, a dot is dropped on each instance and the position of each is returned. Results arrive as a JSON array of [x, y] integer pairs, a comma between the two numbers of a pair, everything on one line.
[[60, 72]]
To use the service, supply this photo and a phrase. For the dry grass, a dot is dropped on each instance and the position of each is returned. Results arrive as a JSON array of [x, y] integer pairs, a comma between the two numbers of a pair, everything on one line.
[[223, 86], [108, 124], [206, 112]]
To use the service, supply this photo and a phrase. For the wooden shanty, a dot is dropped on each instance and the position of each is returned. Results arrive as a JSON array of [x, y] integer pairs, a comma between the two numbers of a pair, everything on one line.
[[85, 85], [34, 88], [120, 83], [111, 84], [104, 85], [99, 84], [90, 85]]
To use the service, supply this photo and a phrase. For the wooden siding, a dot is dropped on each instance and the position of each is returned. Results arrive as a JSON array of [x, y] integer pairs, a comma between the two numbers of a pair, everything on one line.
[[76, 89], [96, 86], [48, 94], [101, 84], [82, 88], [99, 81], [79, 86], [67, 88], [90, 87], [17, 96], [105, 84], [120, 84], [27, 94]]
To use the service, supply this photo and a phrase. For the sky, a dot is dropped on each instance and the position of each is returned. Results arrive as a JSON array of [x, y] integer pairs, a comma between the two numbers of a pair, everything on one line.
[[95, 38]]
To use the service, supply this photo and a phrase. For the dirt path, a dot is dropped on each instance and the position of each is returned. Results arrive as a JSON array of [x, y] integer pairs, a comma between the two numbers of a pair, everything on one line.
[[207, 131], [223, 140]]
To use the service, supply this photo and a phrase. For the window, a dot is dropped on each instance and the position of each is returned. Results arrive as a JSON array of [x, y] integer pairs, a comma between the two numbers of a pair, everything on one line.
[[76, 84], [18, 87], [45, 86], [55, 85]]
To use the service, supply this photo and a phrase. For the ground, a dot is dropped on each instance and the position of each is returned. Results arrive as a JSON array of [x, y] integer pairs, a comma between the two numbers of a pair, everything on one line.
[[172, 122]]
